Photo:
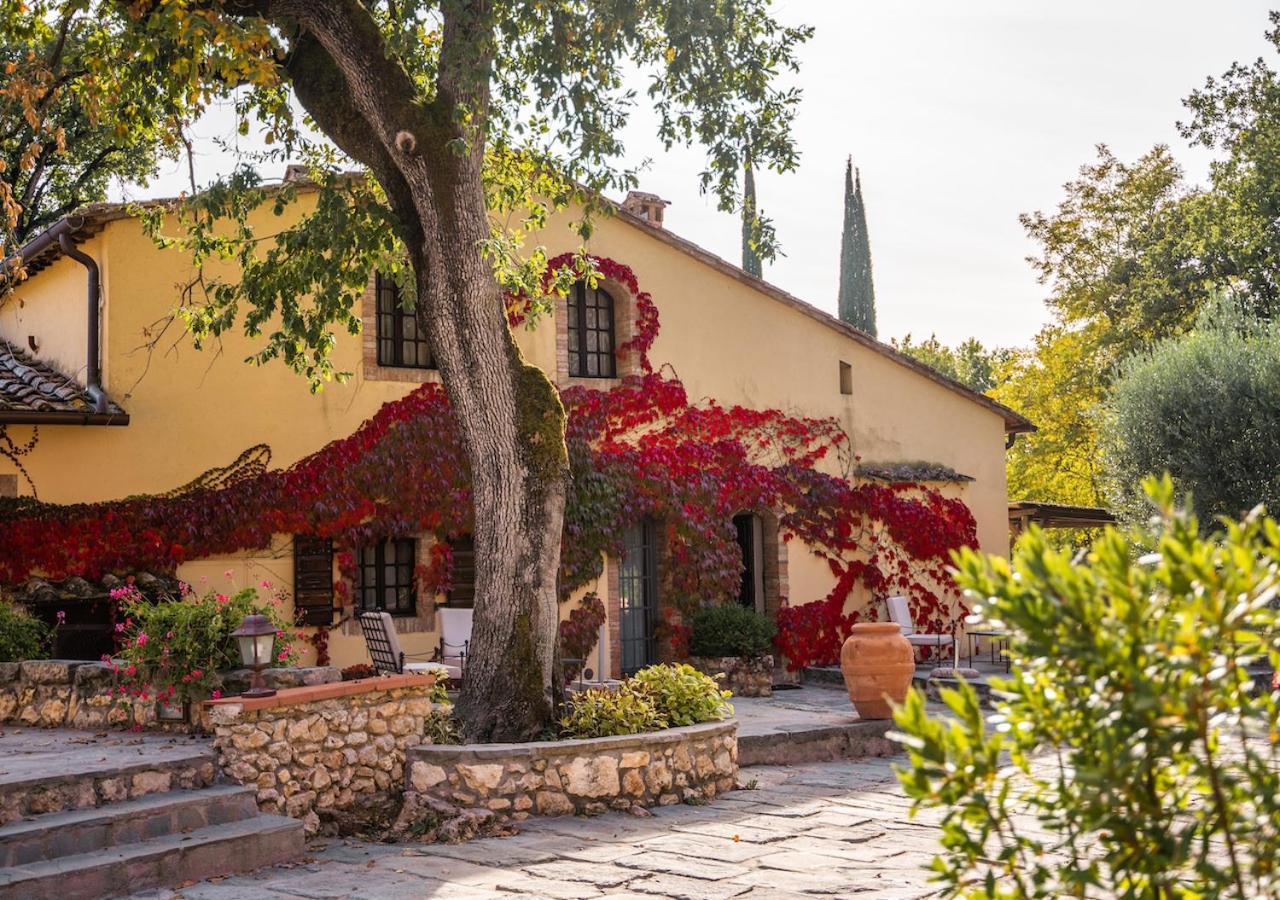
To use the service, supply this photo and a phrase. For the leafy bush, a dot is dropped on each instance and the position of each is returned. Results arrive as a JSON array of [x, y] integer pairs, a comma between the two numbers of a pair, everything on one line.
[[1141, 753], [22, 635], [1206, 409], [730, 630], [172, 649], [683, 695], [605, 712]]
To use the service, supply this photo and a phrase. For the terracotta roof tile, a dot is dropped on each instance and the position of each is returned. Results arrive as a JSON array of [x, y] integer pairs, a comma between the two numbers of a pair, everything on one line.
[[31, 386]]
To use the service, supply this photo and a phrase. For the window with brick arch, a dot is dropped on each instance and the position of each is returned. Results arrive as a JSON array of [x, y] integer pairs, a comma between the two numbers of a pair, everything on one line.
[[384, 577], [592, 332], [401, 343]]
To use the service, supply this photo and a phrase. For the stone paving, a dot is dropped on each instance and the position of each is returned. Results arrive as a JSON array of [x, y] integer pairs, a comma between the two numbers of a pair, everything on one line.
[[824, 829]]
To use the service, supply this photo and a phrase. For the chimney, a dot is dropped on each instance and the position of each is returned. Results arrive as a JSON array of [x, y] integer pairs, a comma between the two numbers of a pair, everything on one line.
[[647, 206]]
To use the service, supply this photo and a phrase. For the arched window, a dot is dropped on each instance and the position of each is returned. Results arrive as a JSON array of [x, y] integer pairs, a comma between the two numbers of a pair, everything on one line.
[[401, 344], [591, 333]]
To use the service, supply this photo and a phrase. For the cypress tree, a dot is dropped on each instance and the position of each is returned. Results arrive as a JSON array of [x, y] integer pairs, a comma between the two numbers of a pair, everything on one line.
[[750, 259], [857, 292]]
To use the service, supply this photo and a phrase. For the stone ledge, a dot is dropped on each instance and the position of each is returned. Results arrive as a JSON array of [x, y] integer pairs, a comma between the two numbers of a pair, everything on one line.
[[315, 692], [574, 746]]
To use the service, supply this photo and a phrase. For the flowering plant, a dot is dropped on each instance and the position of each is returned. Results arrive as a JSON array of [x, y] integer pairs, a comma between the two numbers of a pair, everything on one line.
[[172, 649]]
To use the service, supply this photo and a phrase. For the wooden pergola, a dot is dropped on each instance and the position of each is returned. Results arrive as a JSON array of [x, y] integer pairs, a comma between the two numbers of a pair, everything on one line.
[[1055, 515]]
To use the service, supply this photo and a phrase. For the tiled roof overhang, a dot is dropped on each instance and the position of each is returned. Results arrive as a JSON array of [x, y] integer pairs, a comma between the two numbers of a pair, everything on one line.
[[34, 393]]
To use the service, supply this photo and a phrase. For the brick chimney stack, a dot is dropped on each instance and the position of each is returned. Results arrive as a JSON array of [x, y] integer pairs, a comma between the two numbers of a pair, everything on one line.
[[647, 206]]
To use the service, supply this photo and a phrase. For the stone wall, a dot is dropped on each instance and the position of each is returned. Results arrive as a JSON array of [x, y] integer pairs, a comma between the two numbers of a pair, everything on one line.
[[325, 752], [555, 778], [65, 693], [746, 676]]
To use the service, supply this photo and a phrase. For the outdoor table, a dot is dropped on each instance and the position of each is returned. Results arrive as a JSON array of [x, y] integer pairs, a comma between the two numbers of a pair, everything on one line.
[[998, 643]]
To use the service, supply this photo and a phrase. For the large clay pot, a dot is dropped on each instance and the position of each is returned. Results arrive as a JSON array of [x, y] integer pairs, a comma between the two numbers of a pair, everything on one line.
[[877, 662]]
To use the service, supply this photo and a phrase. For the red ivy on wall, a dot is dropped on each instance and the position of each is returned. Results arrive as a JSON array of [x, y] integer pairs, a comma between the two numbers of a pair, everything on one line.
[[640, 449]]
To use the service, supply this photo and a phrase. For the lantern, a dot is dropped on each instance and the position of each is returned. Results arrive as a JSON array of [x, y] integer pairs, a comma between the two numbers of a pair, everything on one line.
[[256, 637]]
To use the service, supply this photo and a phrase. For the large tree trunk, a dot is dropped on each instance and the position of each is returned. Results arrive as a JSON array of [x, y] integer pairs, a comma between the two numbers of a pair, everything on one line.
[[509, 414], [512, 426]]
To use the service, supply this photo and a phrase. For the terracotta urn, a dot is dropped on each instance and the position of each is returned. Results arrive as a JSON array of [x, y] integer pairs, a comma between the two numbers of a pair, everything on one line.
[[877, 662]]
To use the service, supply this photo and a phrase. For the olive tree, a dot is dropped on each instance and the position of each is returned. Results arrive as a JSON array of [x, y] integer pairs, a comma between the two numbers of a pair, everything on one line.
[[474, 119], [1204, 407], [1135, 749]]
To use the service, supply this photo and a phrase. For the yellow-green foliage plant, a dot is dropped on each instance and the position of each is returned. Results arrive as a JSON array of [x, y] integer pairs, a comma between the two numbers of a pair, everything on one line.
[[605, 712], [1133, 751], [684, 695]]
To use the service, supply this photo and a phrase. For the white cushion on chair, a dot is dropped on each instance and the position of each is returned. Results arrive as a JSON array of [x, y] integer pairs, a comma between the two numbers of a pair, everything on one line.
[[455, 633], [900, 614]]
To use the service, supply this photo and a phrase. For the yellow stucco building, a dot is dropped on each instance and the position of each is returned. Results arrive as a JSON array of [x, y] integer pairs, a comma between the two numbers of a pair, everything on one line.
[[169, 412]]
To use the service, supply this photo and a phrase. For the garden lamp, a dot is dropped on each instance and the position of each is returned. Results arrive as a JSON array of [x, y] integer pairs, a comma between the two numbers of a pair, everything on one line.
[[256, 637]]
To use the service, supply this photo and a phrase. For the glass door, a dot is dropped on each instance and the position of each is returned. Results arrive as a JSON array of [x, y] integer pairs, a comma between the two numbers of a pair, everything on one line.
[[638, 588]]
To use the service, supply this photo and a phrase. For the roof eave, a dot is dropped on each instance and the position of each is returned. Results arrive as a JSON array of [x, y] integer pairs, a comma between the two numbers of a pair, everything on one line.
[[61, 417]]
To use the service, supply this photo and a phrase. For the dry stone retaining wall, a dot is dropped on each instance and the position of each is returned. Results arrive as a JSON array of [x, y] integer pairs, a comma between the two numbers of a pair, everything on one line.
[[555, 778], [66, 693], [746, 676], [322, 752]]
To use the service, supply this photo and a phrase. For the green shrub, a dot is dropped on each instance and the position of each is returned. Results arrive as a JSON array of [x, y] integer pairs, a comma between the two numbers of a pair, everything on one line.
[[172, 649], [22, 635], [605, 712], [1205, 408], [683, 695], [1134, 755], [730, 630]]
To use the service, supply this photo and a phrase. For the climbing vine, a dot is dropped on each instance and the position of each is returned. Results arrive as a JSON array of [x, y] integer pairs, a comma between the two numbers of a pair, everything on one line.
[[641, 448]]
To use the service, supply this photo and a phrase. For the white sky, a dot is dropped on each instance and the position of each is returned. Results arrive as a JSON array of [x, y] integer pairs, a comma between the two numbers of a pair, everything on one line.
[[960, 117]]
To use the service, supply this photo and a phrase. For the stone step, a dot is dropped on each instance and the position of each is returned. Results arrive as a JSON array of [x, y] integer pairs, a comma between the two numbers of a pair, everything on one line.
[[167, 861], [49, 772], [78, 831], [793, 744]]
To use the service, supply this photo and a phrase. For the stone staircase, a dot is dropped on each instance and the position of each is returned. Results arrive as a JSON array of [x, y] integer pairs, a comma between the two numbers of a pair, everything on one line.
[[117, 817]]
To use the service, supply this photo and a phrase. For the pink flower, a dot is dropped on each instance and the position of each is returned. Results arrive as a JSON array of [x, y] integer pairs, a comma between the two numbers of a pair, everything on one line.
[[282, 655], [216, 695], [62, 616], [265, 583], [228, 574], [119, 626], [131, 670], [223, 598], [142, 639]]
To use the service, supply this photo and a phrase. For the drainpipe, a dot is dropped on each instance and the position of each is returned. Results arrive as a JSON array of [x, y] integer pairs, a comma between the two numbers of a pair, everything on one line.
[[93, 370]]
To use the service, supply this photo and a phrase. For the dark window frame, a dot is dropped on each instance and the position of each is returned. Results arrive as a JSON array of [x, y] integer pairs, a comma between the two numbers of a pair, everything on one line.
[[371, 562], [392, 321], [638, 597], [585, 303]]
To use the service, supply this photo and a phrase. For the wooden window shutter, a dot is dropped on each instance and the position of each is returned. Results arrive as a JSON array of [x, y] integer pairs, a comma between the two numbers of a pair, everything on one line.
[[463, 591], [312, 580]]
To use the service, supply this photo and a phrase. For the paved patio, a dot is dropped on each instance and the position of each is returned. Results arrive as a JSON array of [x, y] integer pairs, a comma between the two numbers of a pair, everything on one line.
[[825, 829]]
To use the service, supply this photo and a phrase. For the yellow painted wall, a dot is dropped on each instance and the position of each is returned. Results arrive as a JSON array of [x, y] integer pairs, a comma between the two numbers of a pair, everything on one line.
[[51, 309], [192, 410]]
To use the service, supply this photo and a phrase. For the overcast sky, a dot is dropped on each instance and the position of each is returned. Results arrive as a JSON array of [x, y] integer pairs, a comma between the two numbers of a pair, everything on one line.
[[960, 117]]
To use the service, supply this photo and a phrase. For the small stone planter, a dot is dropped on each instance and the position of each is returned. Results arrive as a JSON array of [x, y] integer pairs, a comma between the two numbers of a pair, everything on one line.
[[746, 676], [557, 778]]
